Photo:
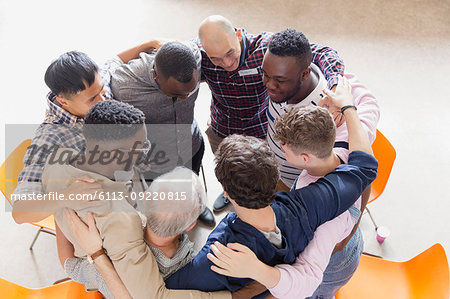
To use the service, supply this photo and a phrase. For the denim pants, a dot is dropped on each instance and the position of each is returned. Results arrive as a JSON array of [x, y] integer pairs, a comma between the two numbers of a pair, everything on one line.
[[341, 267]]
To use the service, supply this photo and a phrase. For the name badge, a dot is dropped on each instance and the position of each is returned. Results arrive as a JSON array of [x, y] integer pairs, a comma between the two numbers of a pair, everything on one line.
[[248, 72]]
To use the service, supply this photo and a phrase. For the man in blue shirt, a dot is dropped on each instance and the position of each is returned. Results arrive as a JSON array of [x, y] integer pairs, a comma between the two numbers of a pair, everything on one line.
[[276, 227]]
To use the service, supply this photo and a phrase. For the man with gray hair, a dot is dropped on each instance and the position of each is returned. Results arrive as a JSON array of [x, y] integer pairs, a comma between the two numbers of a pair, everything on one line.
[[110, 128], [181, 199], [171, 206]]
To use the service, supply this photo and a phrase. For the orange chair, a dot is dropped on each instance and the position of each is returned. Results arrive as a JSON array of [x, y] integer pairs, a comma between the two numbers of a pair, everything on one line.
[[65, 290], [9, 173], [385, 154], [425, 276]]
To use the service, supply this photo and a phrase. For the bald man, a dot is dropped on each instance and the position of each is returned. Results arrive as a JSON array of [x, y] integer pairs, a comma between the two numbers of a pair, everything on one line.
[[231, 65]]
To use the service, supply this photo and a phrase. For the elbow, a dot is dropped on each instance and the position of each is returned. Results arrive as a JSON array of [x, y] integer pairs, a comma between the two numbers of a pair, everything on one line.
[[18, 217]]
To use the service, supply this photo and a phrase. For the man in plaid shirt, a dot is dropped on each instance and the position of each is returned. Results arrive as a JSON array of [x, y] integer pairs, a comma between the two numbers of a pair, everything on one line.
[[231, 66], [76, 84]]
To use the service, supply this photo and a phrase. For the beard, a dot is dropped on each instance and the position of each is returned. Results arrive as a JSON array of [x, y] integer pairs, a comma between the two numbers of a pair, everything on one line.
[[291, 94]]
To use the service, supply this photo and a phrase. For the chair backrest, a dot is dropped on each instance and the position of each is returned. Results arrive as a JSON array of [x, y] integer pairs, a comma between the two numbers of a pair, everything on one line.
[[385, 154], [11, 168], [9, 174], [65, 290], [424, 276]]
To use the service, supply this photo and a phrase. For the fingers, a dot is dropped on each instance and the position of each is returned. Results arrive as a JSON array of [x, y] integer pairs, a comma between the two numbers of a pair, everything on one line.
[[90, 220], [339, 120], [341, 81], [238, 247], [73, 220], [219, 270], [219, 254], [324, 102], [68, 216], [217, 261], [224, 250], [328, 93], [346, 84], [86, 179]]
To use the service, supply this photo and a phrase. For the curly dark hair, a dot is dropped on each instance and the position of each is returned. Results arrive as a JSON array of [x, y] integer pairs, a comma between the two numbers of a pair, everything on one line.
[[112, 120], [247, 170], [176, 60], [290, 42]]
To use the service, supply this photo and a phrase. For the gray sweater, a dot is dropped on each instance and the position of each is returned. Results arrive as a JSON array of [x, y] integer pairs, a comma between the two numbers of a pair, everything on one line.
[[171, 128]]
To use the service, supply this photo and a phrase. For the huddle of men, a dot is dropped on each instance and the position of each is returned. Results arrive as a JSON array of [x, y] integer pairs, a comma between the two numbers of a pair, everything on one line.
[[137, 113]]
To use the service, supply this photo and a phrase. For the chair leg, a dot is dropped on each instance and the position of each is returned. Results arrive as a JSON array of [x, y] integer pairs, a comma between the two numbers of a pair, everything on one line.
[[204, 179], [371, 218], [43, 230], [35, 238], [373, 255], [62, 280]]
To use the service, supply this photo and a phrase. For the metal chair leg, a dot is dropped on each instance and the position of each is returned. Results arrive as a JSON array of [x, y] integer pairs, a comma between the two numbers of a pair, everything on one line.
[[41, 229], [35, 238], [204, 179], [371, 218], [373, 255]]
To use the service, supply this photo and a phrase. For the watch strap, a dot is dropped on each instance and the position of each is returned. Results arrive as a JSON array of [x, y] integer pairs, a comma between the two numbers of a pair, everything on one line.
[[96, 254], [346, 107]]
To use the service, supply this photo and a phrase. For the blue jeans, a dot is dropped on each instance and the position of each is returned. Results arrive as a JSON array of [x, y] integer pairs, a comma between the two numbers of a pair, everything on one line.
[[341, 267]]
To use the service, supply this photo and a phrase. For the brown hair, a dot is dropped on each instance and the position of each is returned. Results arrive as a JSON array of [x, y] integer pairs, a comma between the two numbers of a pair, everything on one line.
[[247, 170], [308, 129]]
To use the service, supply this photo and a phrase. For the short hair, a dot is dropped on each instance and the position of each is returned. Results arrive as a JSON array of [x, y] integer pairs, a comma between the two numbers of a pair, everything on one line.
[[247, 170], [112, 120], [171, 215], [70, 73], [290, 42], [307, 129], [176, 60]]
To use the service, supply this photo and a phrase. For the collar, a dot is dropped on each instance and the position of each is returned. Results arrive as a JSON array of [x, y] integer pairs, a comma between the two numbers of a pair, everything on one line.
[[244, 46], [57, 115]]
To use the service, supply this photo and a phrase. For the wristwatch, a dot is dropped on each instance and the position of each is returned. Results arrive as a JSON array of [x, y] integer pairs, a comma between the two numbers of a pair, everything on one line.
[[91, 258]]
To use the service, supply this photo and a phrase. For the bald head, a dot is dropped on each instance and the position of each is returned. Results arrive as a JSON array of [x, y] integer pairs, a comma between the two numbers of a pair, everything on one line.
[[220, 42], [214, 28]]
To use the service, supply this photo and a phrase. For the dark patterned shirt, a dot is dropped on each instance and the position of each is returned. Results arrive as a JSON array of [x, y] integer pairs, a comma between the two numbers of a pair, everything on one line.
[[240, 98]]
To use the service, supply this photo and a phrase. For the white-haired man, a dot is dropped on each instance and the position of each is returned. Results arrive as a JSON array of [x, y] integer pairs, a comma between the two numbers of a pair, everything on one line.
[[171, 206], [123, 236]]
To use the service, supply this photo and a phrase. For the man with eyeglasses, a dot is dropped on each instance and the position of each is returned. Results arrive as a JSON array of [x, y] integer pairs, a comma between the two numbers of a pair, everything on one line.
[[164, 84], [115, 136]]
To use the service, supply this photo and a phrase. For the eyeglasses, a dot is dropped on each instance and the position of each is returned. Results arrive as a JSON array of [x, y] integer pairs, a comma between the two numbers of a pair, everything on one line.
[[146, 146]]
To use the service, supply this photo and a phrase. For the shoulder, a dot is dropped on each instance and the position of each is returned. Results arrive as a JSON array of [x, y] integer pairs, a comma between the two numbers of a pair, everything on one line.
[[51, 136], [233, 229], [358, 159], [138, 67], [258, 41], [136, 73], [195, 51]]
